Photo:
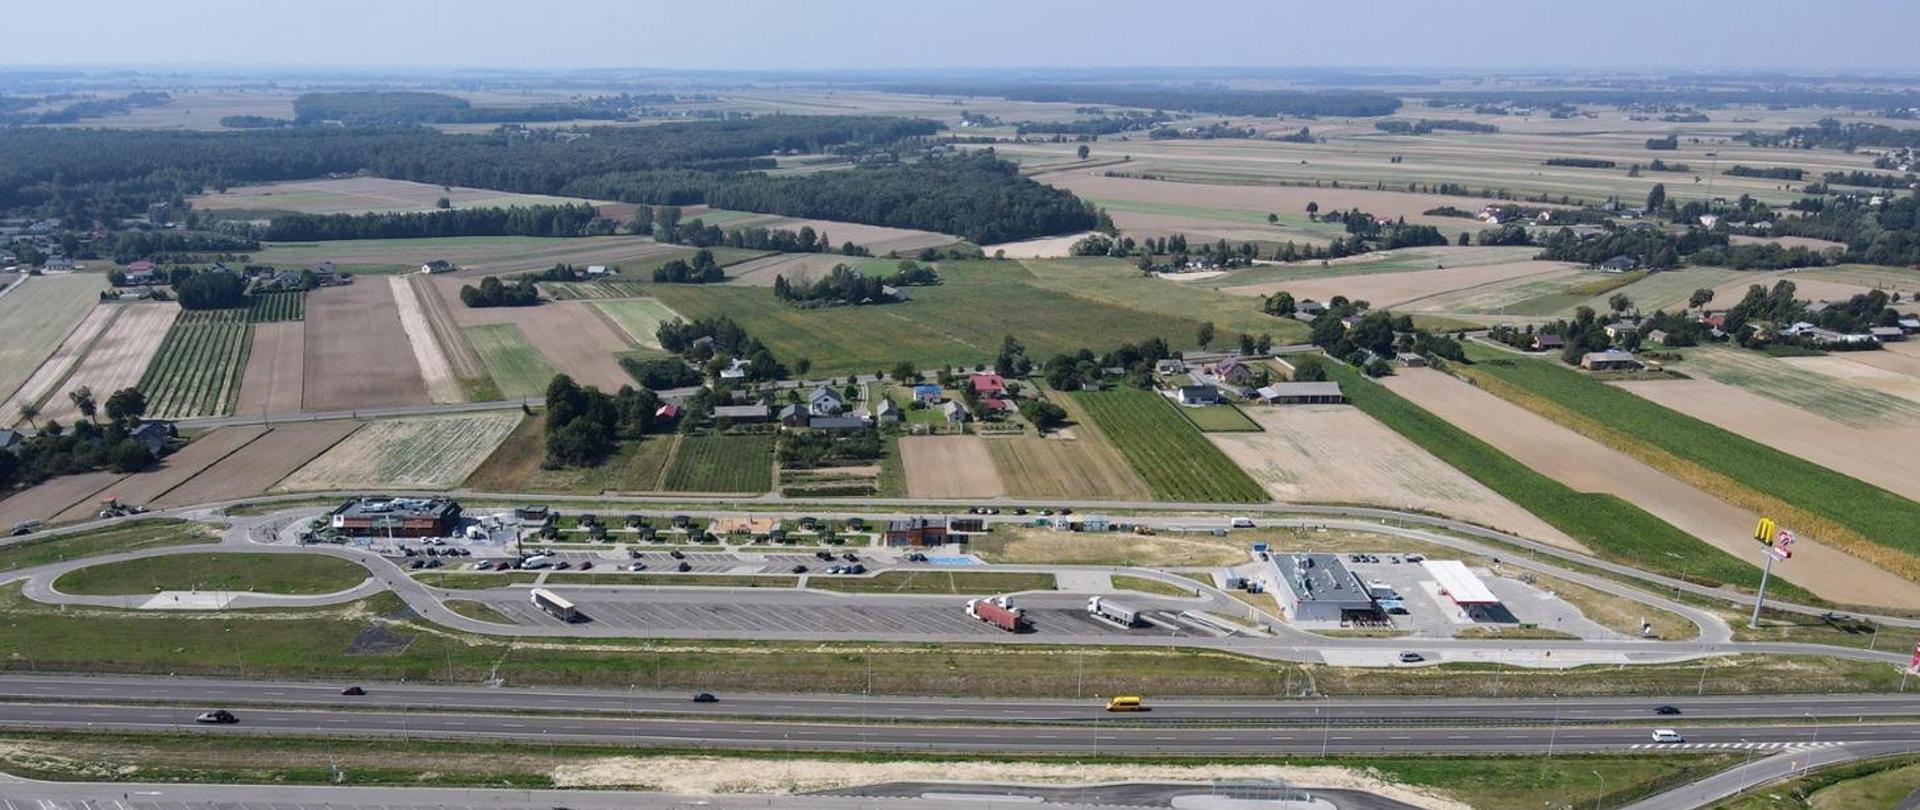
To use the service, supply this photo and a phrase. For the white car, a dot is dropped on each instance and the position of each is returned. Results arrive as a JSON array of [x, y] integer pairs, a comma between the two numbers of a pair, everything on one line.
[[1667, 735]]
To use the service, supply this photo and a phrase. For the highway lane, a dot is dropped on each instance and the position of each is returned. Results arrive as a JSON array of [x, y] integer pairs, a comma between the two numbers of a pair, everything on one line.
[[214, 693], [1093, 739]]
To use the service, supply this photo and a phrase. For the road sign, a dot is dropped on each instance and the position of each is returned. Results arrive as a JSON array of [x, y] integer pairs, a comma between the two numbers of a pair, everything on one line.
[[1764, 530], [1782, 545], [1913, 665]]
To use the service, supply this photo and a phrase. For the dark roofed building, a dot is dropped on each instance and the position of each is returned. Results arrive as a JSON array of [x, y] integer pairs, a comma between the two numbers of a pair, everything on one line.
[[379, 516], [153, 435], [916, 532]]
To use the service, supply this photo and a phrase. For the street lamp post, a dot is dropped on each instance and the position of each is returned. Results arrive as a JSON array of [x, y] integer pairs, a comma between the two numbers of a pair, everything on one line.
[[1603, 789], [1553, 731]]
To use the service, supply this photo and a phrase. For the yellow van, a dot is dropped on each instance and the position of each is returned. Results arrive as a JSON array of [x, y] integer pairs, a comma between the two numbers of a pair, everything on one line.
[[1125, 703]]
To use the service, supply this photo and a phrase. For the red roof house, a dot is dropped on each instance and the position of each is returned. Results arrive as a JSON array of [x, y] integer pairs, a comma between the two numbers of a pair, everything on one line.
[[989, 384]]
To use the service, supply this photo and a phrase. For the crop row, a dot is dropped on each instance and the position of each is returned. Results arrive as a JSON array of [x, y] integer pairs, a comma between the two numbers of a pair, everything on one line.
[[1166, 449], [722, 464], [267, 307], [197, 370]]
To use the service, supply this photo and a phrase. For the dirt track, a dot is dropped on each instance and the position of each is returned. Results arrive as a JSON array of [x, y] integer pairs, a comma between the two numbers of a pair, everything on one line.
[[261, 463], [1588, 466], [453, 342], [274, 375], [357, 354], [949, 467], [424, 342], [1336, 454]]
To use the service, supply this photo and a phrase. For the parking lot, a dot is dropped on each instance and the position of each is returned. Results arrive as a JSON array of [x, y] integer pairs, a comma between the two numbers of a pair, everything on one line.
[[1431, 614]]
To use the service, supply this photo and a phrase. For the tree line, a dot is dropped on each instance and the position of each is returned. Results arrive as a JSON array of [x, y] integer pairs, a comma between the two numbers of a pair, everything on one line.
[[841, 286], [521, 292], [1301, 103], [411, 107], [585, 425], [535, 220]]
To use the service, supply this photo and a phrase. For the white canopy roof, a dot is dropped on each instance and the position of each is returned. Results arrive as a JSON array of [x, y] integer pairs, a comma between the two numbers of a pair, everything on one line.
[[1460, 584]]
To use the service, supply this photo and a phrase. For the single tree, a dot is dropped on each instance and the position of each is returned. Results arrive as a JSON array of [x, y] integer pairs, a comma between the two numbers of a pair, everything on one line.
[[1273, 219], [83, 400], [128, 405], [1313, 210], [1657, 197], [1204, 336], [1700, 298], [29, 411], [1619, 303], [1083, 150], [443, 203]]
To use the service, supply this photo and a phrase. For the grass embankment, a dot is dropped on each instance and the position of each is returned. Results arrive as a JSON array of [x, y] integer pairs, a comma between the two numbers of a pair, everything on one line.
[[258, 573], [1013, 544], [1862, 519], [1613, 528], [152, 533], [1488, 782], [975, 583], [1165, 448], [689, 580], [463, 581], [1127, 582], [1871, 783], [478, 611]]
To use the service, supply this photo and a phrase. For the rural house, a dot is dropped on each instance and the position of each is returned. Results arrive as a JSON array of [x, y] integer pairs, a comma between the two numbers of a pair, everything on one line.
[[887, 411], [666, 413], [1307, 309], [1302, 393], [1171, 365], [825, 401], [1193, 395], [1233, 371], [1657, 336], [1620, 264], [1609, 360], [927, 393], [1411, 360], [954, 413], [153, 435], [9, 439], [988, 384], [1544, 342]]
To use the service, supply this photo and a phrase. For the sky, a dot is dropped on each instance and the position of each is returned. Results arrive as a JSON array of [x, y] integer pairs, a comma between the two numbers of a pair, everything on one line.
[[1825, 35]]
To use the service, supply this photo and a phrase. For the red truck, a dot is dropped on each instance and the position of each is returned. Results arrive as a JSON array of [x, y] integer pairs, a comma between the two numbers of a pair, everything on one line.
[[999, 612]]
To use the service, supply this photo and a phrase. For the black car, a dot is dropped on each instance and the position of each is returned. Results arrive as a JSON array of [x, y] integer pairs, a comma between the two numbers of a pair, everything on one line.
[[850, 557], [677, 554], [684, 567], [705, 697], [1666, 709], [353, 690], [799, 569], [217, 716]]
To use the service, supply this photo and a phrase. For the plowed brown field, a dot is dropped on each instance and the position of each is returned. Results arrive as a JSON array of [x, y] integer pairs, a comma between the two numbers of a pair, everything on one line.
[[357, 355]]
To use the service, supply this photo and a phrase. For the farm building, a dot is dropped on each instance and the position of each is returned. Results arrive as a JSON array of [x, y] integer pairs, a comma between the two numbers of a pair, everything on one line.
[[741, 413], [825, 401], [153, 435], [988, 384], [1303, 393], [916, 532], [377, 516], [1319, 588], [1307, 309], [9, 438], [666, 413], [954, 413], [793, 416], [436, 266], [1171, 365], [1610, 360], [837, 424], [1546, 343], [1411, 360], [1887, 334], [927, 393], [888, 411], [1620, 264], [1198, 395], [1233, 371]]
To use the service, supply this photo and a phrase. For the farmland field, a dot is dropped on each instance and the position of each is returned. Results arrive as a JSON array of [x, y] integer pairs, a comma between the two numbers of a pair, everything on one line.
[[949, 467], [39, 313], [722, 464], [116, 360], [273, 377], [58, 365], [1082, 467], [1220, 419], [145, 487], [1168, 451], [435, 369], [958, 321], [361, 195], [255, 467], [1793, 383], [414, 453], [573, 337], [269, 307], [347, 330], [510, 360], [1117, 283], [197, 372], [640, 318], [474, 255], [515, 465]]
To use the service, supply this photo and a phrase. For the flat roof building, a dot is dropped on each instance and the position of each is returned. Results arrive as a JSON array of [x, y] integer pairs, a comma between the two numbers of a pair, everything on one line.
[[1302, 393], [1319, 588], [381, 516], [1459, 584]]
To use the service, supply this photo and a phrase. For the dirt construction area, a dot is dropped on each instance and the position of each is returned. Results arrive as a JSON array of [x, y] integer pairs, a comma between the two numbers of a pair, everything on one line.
[[1336, 454], [1588, 466], [356, 351], [949, 467], [117, 358], [274, 375], [265, 460]]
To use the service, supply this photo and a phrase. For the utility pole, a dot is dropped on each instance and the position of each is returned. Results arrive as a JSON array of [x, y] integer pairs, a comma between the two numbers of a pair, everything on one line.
[[1761, 597]]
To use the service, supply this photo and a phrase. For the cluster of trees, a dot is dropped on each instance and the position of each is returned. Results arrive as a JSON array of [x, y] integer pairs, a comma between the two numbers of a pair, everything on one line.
[[585, 425], [909, 273], [1195, 98], [1781, 306], [80, 110], [56, 450], [1203, 133], [1831, 134], [1586, 332], [1759, 256], [806, 449], [1768, 172], [160, 246], [842, 285], [1069, 372], [702, 270], [661, 374], [1579, 163], [522, 292], [211, 290], [410, 107], [711, 341], [1885, 234], [805, 240], [1871, 179], [1104, 125], [1376, 336], [1427, 125], [1669, 143], [1654, 249], [535, 220]]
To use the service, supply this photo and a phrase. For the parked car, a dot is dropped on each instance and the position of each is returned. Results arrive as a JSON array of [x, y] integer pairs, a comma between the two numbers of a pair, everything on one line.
[[850, 557], [638, 566], [216, 716], [684, 567], [354, 691], [677, 554], [799, 569], [586, 564]]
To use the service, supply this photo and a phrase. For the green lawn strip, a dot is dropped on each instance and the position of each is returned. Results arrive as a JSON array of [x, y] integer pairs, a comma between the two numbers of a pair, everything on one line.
[[695, 580], [1220, 419], [218, 571], [722, 464], [478, 611], [1178, 463], [1726, 675], [1492, 782], [1880, 516], [1874, 783], [1613, 528], [892, 481], [516, 367], [1127, 582], [975, 583], [462, 580], [151, 533]]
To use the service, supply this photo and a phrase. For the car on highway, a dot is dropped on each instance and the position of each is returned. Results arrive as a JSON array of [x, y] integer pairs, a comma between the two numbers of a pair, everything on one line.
[[353, 691], [705, 697], [1411, 658], [216, 717], [1667, 735], [1666, 709]]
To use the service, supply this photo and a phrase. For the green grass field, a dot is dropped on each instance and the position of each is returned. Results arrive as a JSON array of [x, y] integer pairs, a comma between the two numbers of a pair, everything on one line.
[[1613, 528], [640, 318], [1834, 398], [1117, 283], [197, 370], [1880, 782], [35, 550], [515, 366], [267, 307], [976, 583], [1220, 419], [1879, 515], [722, 464], [259, 573], [959, 321], [1177, 462]]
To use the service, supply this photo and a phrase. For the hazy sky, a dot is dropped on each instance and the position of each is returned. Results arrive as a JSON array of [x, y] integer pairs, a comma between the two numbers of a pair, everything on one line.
[[1863, 35]]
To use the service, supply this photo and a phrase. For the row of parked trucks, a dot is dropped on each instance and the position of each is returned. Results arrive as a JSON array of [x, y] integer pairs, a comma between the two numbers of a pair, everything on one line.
[[1000, 612]]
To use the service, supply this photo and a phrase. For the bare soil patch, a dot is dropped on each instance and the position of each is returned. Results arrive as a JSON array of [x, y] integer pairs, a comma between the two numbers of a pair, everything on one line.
[[116, 360], [1888, 458], [949, 467], [1061, 467], [1337, 454], [57, 365], [356, 351], [275, 376], [142, 488], [572, 335], [434, 368], [1046, 247], [1263, 198], [44, 500], [1807, 242], [253, 468], [1588, 466], [461, 357]]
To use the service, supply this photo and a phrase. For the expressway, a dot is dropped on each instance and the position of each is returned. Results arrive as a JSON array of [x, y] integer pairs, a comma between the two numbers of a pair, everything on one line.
[[234, 694]]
